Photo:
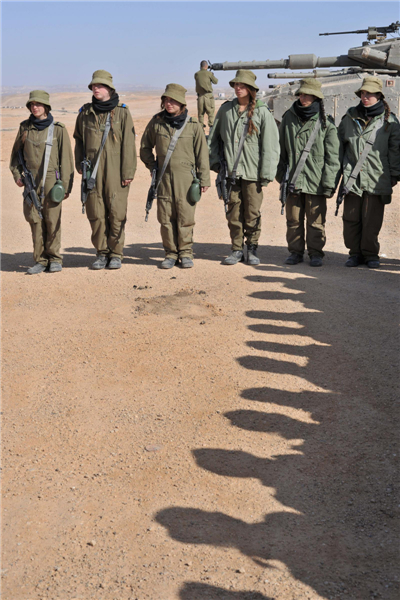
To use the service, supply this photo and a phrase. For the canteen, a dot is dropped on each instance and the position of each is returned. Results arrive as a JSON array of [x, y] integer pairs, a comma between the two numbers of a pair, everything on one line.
[[57, 192], [195, 191]]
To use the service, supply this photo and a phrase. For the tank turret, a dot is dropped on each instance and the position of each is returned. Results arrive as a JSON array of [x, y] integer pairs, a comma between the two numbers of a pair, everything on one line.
[[380, 58]]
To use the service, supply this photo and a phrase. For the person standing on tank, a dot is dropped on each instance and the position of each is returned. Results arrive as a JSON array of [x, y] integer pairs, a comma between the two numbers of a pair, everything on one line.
[[107, 203], [316, 180], [175, 211], [31, 139], [205, 98], [250, 120], [364, 205]]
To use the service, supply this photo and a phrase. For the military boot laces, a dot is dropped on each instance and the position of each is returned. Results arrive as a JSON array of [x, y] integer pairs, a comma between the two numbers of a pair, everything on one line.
[[252, 258]]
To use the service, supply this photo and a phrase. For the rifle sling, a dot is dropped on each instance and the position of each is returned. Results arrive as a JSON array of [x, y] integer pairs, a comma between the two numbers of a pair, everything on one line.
[[91, 183], [240, 148], [304, 154], [368, 145], [49, 145], [171, 148]]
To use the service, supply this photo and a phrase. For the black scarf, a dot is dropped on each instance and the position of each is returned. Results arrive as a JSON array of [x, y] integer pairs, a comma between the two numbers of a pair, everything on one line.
[[306, 112], [41, 124], [176, 121], [107, 105], [369, 112]]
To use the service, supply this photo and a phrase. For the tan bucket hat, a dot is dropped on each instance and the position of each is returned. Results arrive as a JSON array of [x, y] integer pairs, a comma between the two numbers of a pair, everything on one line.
[[39, 96], [103, 77], [371, 84], [244, 76], [176, 92], [311, 87]]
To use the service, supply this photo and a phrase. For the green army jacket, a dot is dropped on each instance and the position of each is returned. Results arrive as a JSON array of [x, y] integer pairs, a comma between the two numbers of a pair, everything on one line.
[[321, 172], [33, 142], [190, 154], [383, 160], [204, 79], [260, 154], [119, 151]]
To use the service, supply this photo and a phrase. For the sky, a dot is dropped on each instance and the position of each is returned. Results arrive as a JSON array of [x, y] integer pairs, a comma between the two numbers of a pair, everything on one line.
[[151, 44]]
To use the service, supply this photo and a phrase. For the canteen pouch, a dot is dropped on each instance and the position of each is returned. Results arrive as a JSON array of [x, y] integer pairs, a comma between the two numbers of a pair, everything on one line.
[[194, 194], [57, 192]]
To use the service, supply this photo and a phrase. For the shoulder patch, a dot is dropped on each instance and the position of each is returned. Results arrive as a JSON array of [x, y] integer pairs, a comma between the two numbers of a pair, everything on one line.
[[59, 124], [122, 105], [81, 109], [194, 120]]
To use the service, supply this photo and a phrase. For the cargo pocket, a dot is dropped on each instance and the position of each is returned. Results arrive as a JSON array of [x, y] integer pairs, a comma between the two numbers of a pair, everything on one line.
[[164, 210], [31, 214], [94, 206]]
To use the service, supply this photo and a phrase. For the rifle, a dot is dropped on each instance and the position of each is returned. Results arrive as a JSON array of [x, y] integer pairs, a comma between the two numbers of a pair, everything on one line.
[[342, 192], [152, 193], [29, 194], [222, 178], [86, 173], [284, 188]]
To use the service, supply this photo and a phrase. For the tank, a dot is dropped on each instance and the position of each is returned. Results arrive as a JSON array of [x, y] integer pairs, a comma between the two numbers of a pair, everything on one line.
[[377, 56]]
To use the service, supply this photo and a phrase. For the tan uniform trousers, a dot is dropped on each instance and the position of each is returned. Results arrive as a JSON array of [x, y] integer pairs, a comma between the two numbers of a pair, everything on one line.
[[206, 104], [176, 218], [243, 215], [312, 207], [362, 222], [46, 232], [106, 210]]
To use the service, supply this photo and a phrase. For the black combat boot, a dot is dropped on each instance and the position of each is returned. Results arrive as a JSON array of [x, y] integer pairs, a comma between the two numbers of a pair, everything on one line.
[[252, 258]]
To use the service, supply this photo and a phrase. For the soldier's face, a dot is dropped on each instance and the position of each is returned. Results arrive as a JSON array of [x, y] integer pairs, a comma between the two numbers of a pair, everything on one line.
[[101, 92], [241, 91], [369, 99], [172, 106], [38, 110], [306, 99]]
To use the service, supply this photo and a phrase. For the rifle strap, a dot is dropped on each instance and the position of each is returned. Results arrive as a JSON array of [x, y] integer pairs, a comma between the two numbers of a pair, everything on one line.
[[91, 183], [305, 153], [240, 148], [49, 145], [368, 145], [171, 148]]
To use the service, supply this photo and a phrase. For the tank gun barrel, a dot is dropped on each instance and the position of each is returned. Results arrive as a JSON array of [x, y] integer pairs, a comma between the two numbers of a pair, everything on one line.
[[295, 61]]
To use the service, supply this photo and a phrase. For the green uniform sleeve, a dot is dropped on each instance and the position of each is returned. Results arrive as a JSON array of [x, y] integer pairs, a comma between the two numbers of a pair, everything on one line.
[[14, 164], [214, 142], [394, 151], [283, 157], [331, 170], [66, 159], [269, 155], [147, 144], [201, 155], [213, 78], [78, 137], [128, 148]]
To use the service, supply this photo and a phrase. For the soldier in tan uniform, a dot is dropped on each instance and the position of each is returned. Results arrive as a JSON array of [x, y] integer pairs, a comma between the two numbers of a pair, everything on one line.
[[205, 99], [175, 212], [31, 138], [107, 203]]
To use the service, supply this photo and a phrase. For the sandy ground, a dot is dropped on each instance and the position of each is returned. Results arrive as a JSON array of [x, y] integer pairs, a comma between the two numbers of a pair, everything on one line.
[[213, 433]]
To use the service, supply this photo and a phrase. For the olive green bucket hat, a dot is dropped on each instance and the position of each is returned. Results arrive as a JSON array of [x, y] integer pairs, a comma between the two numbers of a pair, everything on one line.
[[39, 96], [176, 92], [245, 76], [312, 87], [372, 85], [103, 77]]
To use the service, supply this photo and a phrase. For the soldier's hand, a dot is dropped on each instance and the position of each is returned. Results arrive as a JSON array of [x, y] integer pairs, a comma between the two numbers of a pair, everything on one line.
[[19, 183], [66, 196], [204, 189], [126, 182]]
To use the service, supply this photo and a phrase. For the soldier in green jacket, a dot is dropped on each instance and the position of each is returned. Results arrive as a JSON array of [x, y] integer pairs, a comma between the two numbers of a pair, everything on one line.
[[318, 178], [107, 203], [364, 204], [175, 211], [205, 99], [256, 166], [31, 139]]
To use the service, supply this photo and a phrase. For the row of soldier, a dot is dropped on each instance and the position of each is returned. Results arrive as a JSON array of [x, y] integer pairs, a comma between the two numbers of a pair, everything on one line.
[[308, 153]]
